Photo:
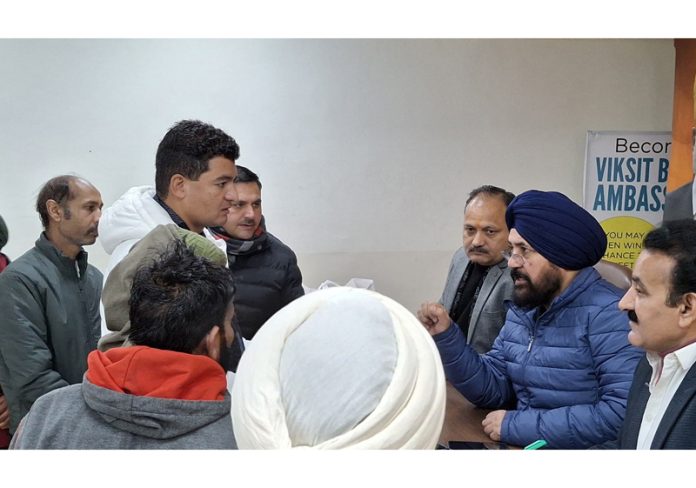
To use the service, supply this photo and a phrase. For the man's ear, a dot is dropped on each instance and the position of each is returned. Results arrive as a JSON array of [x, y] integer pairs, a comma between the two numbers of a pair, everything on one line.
[[177, 186], [55, 211], [212, 343], [687, 310]]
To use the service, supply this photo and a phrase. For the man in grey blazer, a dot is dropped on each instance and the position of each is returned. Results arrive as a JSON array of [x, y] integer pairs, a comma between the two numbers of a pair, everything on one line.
[[661, 307], [479, 279]]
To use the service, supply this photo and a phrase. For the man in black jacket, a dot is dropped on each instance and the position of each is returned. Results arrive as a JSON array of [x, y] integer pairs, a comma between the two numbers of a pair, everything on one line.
[[661, 306], [49, 298], [264, 269]]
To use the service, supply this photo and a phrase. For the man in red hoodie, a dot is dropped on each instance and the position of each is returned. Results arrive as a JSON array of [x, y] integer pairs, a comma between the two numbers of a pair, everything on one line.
[[168, 390]]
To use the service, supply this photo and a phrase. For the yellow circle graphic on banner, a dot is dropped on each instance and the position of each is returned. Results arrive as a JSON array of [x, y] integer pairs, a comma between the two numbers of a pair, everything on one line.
[[625, 239]]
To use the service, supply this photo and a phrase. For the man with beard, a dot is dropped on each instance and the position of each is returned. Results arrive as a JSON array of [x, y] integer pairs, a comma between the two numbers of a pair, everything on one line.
[[264, 269], [479, 280], [661, 307], [49, 298], [166, 391], [560, 368]]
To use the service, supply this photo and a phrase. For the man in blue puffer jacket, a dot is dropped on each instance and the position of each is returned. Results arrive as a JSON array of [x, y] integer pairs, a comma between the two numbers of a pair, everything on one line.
[[561, 367]]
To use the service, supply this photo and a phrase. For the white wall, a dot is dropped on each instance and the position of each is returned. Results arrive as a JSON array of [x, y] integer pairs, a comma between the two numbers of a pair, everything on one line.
[[366, 148]]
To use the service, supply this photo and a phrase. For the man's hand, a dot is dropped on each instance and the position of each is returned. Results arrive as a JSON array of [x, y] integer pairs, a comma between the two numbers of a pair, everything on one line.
[[493, 424], [4, 413], [434, 317]]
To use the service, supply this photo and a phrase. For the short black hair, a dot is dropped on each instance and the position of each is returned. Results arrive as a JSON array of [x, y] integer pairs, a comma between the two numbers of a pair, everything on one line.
[[186, 149], [676, 239], [176, 300], [57, 189], [245, 175], [493, 191]]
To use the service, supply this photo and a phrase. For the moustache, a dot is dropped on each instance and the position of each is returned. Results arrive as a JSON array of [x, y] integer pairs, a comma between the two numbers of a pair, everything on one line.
[[516, 274], [247, 222], [481, 249], [632, 316]]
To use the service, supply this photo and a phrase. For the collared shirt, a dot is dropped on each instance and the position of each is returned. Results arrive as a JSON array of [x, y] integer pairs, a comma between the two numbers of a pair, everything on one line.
[[175, 216], [668, 373]]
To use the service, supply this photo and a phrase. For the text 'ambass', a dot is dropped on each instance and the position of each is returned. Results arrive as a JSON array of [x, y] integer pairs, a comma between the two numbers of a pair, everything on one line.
[[624, 187]]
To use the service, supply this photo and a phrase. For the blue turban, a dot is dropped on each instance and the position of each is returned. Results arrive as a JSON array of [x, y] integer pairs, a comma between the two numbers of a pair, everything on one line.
[[557, 228]]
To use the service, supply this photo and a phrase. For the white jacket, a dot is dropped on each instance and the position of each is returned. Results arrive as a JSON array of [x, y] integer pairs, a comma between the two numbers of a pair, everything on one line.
[[128, 220]]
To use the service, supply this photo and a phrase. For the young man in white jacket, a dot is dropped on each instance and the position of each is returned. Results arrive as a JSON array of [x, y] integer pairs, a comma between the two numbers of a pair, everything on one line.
[[194, 188]]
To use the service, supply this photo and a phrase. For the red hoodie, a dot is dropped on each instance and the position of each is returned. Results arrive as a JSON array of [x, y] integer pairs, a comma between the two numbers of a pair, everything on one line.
[[150, 372]]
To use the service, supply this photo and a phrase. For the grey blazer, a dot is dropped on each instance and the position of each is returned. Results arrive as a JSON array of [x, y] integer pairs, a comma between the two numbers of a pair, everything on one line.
[[488, 315]]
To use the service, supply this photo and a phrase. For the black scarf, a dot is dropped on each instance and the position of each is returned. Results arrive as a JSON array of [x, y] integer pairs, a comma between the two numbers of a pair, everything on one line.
[[467, 293], [241, 247]]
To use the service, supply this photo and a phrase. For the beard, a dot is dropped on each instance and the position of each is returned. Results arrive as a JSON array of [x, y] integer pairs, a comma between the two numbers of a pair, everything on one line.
[[531, 295]]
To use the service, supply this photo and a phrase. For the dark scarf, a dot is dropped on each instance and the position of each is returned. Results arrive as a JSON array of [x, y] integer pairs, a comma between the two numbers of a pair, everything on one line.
[[467, 293], [241, 247]]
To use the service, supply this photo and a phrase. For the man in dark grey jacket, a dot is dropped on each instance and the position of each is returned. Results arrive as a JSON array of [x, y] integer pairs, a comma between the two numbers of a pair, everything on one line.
[[265, 270], [479, 279], [49, 298], [166, 391]]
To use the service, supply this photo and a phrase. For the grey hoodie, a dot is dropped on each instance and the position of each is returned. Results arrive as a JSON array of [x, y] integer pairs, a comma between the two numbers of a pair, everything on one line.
[[87, 416]]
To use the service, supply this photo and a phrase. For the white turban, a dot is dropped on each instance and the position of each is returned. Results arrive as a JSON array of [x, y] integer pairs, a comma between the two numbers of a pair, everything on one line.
[[340, 368]]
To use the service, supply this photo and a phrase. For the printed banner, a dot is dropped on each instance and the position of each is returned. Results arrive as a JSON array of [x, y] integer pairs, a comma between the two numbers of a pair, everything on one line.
[[624, 188]]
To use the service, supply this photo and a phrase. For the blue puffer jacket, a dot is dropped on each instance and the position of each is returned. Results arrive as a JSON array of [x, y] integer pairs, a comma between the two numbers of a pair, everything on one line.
[[567, 372]]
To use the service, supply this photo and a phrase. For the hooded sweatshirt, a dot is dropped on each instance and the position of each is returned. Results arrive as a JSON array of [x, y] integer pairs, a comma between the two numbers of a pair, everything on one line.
[[117, 285], [135, 398]]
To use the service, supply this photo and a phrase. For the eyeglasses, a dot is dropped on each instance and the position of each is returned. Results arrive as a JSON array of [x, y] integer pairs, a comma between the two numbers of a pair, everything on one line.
[[520, 259]]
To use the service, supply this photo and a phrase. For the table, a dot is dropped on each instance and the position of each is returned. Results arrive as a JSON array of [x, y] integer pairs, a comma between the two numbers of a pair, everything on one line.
[[463, 421]]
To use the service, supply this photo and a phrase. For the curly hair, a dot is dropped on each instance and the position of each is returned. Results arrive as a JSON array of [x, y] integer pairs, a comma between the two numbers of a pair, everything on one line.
[[177, 299], [186, 149]]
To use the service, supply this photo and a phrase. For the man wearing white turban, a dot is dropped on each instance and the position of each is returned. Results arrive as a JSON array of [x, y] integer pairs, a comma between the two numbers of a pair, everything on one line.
[[340, 368]]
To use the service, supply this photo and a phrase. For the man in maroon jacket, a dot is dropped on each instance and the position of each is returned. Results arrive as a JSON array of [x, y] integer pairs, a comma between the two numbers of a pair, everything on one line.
[[4, 410]]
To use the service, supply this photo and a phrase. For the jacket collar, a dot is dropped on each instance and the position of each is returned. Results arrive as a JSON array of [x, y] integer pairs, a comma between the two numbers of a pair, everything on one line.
[[241, 247], [580, 283], [502, 265], [174, 216], [65, 264]]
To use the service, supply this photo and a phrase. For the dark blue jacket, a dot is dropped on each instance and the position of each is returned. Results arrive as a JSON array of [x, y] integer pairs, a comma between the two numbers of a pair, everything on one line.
[[563, 376]]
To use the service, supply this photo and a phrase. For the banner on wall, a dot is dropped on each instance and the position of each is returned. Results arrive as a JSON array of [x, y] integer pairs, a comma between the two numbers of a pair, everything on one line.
[[624, 188]]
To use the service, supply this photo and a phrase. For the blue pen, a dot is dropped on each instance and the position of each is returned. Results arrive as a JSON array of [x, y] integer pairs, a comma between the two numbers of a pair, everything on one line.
[[536, 445]]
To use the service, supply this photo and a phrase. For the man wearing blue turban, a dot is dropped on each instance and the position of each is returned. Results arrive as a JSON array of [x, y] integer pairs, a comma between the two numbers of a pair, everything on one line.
[[561, 367]]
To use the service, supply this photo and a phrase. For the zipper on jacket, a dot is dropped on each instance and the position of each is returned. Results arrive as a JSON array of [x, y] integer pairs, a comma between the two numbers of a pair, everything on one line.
[[531, 340]]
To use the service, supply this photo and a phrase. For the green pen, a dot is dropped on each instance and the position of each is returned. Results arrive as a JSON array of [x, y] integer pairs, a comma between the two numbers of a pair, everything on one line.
[[536, 445]]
